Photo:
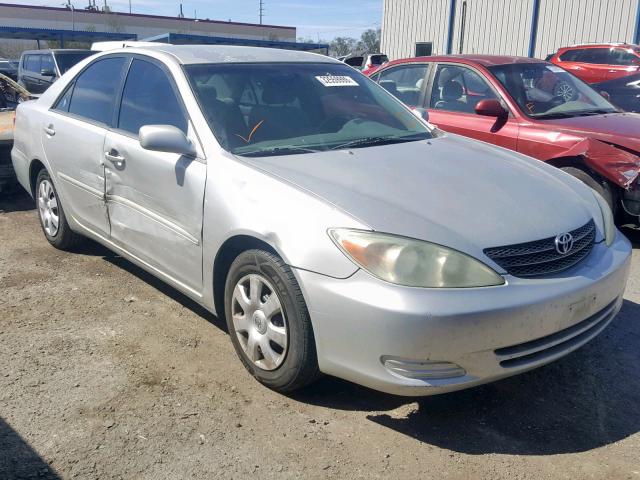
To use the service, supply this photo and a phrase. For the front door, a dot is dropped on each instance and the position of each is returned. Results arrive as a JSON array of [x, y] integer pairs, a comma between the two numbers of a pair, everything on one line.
[[455, 92], [155, 199]]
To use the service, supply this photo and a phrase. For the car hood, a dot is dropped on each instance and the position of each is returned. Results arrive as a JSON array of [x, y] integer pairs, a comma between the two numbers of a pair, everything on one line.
[[450, 190], [615, 128]]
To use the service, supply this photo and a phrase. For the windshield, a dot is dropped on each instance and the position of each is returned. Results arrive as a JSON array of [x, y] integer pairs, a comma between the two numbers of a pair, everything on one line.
[[278, 109], [547, 91], [6, 65], [67, 60]]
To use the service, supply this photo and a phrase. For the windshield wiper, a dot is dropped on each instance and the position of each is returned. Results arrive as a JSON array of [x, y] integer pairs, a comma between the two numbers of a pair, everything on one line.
[[579, 113], [372, 141], [292, 150]]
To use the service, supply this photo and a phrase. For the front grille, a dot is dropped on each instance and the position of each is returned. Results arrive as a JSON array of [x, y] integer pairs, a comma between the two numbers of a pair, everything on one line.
[[539, 258], [559, 343]]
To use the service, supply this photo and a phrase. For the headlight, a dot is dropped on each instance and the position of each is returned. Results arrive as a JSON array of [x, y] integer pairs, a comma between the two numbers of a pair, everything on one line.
[[607, 219], [413, 263]]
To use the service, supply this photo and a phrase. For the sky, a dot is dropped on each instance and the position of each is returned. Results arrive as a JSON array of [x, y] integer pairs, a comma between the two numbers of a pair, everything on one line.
[[325, 19]]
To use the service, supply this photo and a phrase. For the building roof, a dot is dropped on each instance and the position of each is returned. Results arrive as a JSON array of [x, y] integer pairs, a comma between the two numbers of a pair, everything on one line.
[[24, 33], [200, 54], [142, 15]]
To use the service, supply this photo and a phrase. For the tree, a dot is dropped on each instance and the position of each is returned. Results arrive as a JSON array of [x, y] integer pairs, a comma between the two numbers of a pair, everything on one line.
[[371, 40], [340, 46]]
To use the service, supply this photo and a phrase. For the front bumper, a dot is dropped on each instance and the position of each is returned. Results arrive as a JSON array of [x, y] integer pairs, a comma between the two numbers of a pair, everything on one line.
[[362, 321]]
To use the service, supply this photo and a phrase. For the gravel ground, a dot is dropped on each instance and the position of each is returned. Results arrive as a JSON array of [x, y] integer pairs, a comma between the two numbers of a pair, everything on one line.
[[106, 373]]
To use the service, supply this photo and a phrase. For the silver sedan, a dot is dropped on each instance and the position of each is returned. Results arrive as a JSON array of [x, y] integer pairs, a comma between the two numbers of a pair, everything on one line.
[[333, 228]]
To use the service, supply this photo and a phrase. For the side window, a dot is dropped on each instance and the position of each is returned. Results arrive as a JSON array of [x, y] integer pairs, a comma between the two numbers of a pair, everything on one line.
[[571, 56], [459, 89], [618, 56], [595, 56], [32, 63], [47, 63], [404, 82], [149, 99], [95, 92]]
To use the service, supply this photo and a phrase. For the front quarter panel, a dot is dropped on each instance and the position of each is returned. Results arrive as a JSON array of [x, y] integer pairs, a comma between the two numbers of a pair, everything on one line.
[[241, 200]]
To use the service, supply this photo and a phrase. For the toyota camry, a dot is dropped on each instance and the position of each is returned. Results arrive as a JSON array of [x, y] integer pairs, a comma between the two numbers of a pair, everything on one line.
[[334, 229]]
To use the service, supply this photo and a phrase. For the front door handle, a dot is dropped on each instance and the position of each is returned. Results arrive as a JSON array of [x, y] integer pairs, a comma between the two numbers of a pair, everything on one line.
[[114, 157], [49, 130]]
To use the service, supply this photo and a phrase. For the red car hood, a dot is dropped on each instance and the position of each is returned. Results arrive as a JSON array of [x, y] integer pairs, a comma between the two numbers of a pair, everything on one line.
[[618, 128], [610, 145]]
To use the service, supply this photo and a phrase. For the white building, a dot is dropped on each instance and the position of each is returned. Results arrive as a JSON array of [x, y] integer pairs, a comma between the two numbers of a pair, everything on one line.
[[504, 27]]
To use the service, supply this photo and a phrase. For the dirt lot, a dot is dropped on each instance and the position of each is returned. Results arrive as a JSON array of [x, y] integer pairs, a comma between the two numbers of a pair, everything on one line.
[[106, 372]]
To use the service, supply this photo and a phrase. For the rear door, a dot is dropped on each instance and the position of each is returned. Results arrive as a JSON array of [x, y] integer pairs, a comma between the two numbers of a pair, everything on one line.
[[453, 94], [592, 65], [73, 134], [155, 199], [622, 62]]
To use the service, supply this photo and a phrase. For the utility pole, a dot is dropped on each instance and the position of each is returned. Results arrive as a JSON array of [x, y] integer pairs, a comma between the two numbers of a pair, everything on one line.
[[261, 10], [129, 7]]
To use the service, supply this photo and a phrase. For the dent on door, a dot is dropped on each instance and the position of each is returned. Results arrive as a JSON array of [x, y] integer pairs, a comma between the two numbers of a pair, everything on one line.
[[155, 203]]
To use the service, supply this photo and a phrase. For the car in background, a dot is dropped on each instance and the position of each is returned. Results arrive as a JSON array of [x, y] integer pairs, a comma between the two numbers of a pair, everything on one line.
[[623, 92], [595, 63], [38, 69], [334, 230], [530, 106], [366, 63], [8, 68]]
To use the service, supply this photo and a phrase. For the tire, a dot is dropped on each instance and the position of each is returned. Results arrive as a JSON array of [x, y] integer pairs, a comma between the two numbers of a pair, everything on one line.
[[602, 187], [282, 364], [565, 90], [49, 211]]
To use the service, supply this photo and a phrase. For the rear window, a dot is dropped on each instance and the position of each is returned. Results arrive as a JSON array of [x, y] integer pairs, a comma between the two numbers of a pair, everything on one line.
[[354, 61], [379, 59], [66, 60]]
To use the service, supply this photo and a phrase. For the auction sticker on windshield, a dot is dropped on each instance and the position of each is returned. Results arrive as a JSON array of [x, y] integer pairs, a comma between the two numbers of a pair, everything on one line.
[[336, 81]]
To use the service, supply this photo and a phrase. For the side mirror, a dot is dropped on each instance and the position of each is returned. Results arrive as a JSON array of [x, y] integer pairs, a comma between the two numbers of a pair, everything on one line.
[[47, 72], [421, 113], [491, 107], [166, 138]]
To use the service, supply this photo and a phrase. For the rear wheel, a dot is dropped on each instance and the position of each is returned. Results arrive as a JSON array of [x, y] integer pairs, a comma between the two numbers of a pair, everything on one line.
[[268, 321], [52, 219], [600, 186]]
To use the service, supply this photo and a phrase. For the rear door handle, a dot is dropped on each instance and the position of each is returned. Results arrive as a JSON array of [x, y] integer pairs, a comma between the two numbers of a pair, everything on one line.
[[49, 130], [114, 157]]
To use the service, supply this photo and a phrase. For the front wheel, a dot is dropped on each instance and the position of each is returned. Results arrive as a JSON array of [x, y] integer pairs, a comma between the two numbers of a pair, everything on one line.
[[269, 323], [52, 219]]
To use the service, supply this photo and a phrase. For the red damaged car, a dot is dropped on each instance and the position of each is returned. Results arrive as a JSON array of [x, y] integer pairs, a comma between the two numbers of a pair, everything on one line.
[[530, 106]]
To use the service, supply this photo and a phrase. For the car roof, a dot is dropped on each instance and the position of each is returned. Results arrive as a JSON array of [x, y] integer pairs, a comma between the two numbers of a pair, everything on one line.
[[200, 54], [56, 50], [484, 60], [599, 45]]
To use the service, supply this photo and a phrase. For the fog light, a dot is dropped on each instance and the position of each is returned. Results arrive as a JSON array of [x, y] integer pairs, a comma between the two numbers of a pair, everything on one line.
[[422, 368]]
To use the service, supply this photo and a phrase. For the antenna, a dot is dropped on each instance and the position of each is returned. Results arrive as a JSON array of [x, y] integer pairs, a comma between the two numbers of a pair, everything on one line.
[[261, 11]]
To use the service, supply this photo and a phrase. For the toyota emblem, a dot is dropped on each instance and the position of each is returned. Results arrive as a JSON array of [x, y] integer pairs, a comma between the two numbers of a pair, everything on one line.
[[564, 243]]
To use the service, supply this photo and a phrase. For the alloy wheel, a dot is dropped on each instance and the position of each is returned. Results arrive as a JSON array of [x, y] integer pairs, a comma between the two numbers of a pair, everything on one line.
[[48, 208], [259, 321]]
